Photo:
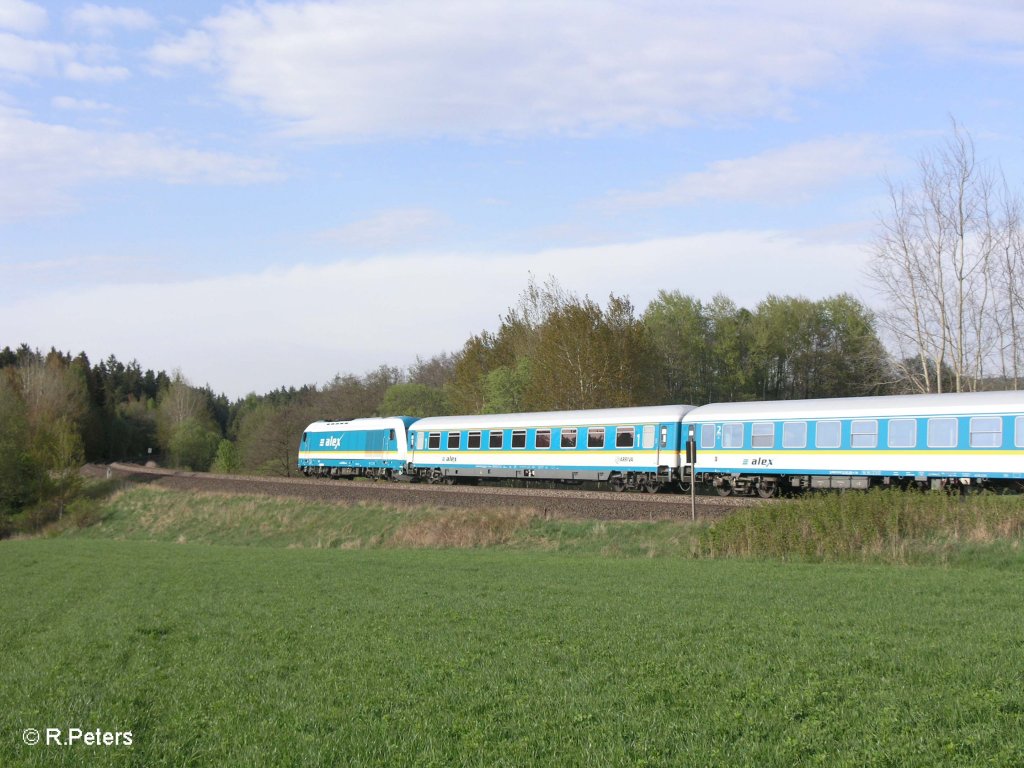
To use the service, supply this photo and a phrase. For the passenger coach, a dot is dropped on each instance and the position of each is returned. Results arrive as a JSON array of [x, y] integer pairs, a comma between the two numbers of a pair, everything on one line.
[[356, 448], [928, 440], [636, 448]]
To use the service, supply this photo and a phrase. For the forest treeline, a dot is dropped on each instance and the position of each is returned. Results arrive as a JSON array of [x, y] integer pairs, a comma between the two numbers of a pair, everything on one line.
[[553, 350]]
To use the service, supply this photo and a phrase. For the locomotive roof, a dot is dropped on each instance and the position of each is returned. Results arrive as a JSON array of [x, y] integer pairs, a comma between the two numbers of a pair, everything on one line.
[[385, 422], [840, 407], [597, 417]]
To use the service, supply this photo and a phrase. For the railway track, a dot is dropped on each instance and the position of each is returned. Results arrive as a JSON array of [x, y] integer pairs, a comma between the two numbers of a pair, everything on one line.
[[567, 503]]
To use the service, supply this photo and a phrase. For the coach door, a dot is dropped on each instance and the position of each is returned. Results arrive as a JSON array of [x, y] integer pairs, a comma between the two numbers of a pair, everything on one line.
[[661, 443]]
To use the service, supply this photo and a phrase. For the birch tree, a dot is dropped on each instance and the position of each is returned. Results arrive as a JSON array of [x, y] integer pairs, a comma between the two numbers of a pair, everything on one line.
[[937, 263]]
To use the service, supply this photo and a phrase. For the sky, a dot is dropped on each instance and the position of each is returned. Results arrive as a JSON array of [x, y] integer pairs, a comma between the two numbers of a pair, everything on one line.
[[269, 194]]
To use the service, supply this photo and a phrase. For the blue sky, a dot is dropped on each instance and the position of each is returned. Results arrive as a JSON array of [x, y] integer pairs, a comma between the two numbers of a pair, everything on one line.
[[267, 194]]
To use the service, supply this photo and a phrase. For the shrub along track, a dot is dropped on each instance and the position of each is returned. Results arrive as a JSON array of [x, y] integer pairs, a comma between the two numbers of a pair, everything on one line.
[[576, 504]]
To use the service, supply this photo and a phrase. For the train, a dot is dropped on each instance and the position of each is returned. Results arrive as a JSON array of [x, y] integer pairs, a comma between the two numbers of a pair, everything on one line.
[[953, 440]]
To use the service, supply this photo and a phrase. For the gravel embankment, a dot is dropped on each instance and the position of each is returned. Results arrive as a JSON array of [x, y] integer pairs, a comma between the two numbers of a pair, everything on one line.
[[567, 503]]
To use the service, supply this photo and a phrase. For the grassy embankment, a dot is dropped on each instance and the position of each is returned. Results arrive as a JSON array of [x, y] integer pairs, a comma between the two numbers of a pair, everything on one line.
[[873, 527]]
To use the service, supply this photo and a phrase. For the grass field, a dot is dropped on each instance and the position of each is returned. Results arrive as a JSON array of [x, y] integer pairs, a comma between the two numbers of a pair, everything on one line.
[[497, 652]]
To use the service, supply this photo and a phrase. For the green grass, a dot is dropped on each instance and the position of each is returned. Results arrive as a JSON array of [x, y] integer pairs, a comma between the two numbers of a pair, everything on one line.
[[260, 656]]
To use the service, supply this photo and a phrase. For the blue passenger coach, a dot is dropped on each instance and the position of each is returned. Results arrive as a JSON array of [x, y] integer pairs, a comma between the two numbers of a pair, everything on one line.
[[974, 438], [357, 448], [634, 448]]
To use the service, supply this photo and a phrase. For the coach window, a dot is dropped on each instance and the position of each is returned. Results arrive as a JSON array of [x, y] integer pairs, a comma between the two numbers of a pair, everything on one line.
[[986, 432], [794, 434], [1018, 432], [707, 435], [473, 441], [595, 437], [518, 438], [863, 433], [625, 437], [496, 438], [649, 437], [942, 433], [828, 434], [453, 440], [419, 441], [762, 434], [732, 435], [434, 440], [568, 439], [903, 433], [542, 439]]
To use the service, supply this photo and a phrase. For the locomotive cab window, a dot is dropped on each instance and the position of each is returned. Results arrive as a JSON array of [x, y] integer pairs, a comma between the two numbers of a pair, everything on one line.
[[595, 437], [434, 440], [903, 433], [732, 435], [794, 434], [568, 439], [519, 438], [542, 439], [624, 437], [707, 435], [473, 440], [828, 434], [942, 433], [986, 432], [453, 440], [863, 433], [762, 434], [496, 438]]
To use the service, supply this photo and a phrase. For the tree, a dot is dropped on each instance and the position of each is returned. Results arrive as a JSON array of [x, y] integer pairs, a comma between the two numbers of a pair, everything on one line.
[[185, 426], [948, 264], [192, 445], [22, 475], [417, 400], [227, 460], [679, 329]]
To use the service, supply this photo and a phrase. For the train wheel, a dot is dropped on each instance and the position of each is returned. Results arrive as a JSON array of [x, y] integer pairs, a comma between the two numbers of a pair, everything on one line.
[[768, 491], [616, 483], [724, 488]]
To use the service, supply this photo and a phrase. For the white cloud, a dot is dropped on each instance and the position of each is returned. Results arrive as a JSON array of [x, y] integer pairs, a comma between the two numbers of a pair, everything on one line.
[[772, 176], [387, 229], [79, 105], [31, 57], [93, 73], [102, 19], [44, 162], [304, 324], [458, 68], [20, 16]]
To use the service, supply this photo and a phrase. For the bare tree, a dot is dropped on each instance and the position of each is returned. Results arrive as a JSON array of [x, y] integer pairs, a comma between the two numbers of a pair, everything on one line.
[[936, 261]]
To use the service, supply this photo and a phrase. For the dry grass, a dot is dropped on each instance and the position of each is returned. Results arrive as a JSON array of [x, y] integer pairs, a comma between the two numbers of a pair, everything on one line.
[[463, 529]]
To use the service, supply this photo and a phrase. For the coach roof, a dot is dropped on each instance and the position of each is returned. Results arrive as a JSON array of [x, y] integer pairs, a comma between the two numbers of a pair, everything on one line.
[[655, 414], [867, 407]]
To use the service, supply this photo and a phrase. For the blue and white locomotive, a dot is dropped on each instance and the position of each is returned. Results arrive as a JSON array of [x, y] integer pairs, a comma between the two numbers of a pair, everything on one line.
[[927, 440], [628, 448], [358, 448]]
